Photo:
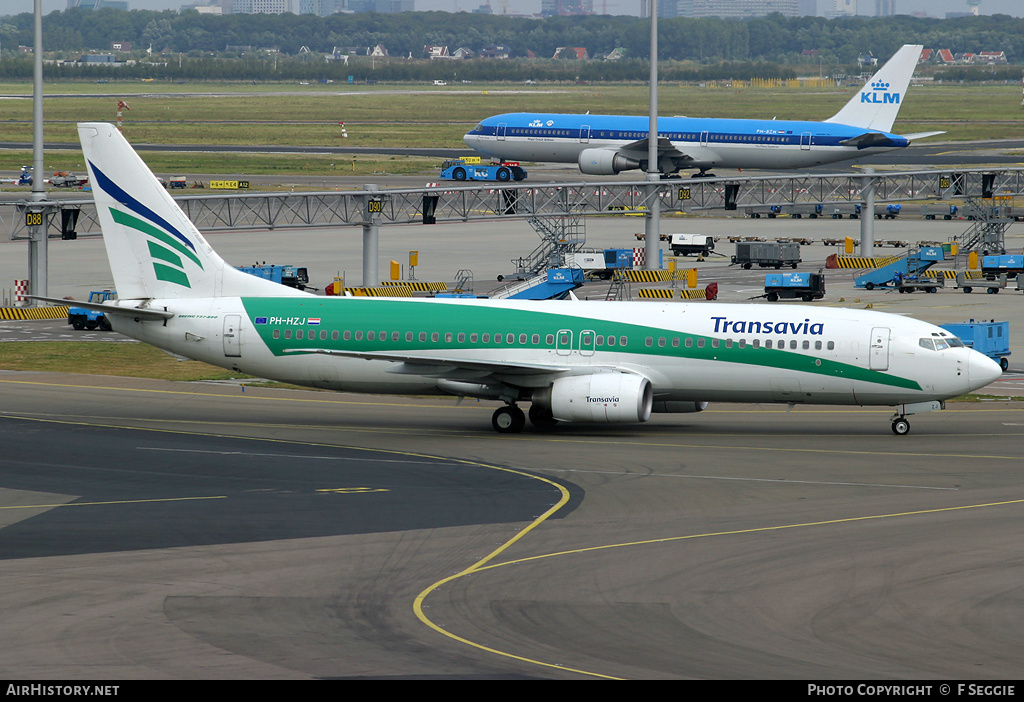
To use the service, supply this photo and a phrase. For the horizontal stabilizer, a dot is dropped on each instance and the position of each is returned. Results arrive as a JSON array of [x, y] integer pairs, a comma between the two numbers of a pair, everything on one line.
[[920, 135], [116, 310]]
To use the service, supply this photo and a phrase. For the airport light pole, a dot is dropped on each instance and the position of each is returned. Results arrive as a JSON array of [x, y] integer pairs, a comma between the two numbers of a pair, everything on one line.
[[652, 223], [38, 208]]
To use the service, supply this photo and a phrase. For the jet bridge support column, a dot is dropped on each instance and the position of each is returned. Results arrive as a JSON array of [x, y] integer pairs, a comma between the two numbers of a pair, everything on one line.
[[652, 222], [370, 237], [867, 216]]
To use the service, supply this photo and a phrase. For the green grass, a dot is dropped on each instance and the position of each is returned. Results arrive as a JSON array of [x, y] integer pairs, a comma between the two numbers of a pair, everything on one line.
[[415, 115], [134, 360]]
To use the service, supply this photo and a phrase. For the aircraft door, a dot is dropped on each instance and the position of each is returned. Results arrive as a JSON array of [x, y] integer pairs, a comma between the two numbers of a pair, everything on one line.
[[879, 349], [585, 134], [500, 131], [805, 141], [703, 138], [563, 342], [587, 342], [232, 335]]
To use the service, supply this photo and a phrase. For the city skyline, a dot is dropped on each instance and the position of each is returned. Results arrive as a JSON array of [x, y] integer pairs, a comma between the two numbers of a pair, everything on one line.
[[935, 8]]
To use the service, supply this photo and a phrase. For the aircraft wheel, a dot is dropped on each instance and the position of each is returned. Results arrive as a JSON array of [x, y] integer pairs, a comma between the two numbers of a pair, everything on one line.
[[900, 426], [541, 418], [459, 174], [508, 420]]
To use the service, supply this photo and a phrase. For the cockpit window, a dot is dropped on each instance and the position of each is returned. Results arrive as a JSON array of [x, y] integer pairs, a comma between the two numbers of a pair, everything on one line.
[[940, 343]]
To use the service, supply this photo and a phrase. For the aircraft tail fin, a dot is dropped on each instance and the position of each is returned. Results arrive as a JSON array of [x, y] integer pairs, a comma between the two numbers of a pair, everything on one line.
[[154, 249], [876, 105]]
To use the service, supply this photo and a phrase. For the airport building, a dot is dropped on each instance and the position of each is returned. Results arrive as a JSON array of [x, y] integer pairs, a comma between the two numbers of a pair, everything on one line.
[[737, 9]]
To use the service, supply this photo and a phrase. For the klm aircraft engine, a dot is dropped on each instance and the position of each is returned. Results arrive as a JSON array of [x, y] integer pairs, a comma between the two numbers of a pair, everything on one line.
[[601, 397], [605, 162]]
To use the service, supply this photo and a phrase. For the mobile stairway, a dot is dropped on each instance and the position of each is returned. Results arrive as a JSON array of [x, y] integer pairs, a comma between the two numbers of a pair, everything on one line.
[[911, 266], [553, 284]]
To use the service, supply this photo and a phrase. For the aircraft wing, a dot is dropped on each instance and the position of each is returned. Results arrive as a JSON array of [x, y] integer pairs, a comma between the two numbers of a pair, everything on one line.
[[442, 366], [638, 150], [114, 310]]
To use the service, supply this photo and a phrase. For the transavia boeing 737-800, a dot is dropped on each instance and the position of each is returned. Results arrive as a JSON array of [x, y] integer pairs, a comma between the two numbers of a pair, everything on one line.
[[573, 361], [610, 144]]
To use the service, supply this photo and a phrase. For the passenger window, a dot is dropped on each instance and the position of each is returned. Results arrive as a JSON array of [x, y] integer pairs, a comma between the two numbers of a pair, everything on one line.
[[323, 335], [423, 336], [611, 341], [623, 340], [649, 341], [462, 338], [287, 333], [334, 335], [535, 339], [831, 345], [487, 338], [522, 338], [448, 337], [806, 345], [433, 336], [348, 335], [277, 334], [549, 339], [370, 336], [700, 343]]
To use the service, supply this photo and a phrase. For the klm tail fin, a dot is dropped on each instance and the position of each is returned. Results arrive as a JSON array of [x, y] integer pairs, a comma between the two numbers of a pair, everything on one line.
[[154, 249], [876, 105]]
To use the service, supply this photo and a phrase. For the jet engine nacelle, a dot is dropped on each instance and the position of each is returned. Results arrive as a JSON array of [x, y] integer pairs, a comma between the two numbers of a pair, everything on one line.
[[604, 162], [602, 397]]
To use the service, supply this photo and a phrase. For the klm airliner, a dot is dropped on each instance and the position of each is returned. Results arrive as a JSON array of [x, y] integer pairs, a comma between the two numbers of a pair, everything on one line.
[[610, 144], [572, 361]]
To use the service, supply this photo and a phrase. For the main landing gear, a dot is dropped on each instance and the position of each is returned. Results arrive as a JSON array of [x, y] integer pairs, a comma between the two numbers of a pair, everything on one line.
[[511, 420]]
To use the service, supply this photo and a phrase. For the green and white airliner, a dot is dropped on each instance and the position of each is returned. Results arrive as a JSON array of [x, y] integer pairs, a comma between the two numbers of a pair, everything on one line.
[[572, 360]]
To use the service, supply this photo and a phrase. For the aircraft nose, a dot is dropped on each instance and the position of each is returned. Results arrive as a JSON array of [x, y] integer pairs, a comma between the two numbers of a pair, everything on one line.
[[982, 370]]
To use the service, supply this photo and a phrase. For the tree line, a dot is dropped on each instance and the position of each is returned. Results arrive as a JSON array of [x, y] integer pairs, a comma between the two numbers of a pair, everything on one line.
[[692, 49]]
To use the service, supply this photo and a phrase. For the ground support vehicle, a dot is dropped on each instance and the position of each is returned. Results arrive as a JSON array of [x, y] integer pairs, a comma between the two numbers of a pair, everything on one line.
[[990, 338], [758, 211], [766, 255], [912, 283], [993, 266], [177, 182], [80, 318], [969, 284], [909, 267], [936, 211], [457, 169], [839, 211], [686, 244], [806, 286], [63, 179], [596, 263], [292, 276], [25, 177], [891, 211]]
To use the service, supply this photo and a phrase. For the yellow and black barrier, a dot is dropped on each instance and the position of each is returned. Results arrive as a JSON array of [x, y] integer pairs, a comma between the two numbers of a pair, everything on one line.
[[694, 294], [33, 312], [951, 275], [647, 276], [418, 286], [648, 293], [860, 261]]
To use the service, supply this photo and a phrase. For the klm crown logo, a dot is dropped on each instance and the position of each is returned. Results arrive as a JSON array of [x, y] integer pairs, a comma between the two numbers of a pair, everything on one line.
[[880, 95]]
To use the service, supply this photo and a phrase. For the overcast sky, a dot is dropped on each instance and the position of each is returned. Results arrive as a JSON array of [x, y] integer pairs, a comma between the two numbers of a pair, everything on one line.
[[936, 8]]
